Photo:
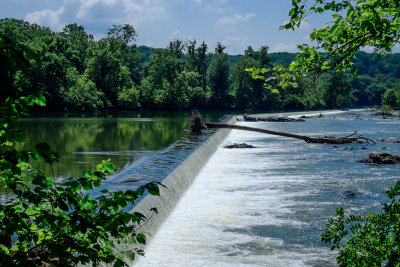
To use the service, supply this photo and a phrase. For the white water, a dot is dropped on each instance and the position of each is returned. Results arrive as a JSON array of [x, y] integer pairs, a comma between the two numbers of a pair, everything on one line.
[[216, 221], [266, 206]]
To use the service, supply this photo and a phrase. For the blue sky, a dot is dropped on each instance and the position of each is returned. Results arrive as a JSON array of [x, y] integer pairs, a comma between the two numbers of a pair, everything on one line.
[[235, 23]]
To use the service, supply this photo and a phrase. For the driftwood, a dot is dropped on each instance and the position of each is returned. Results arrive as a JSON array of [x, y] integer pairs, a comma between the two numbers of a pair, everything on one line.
[[197, 124]]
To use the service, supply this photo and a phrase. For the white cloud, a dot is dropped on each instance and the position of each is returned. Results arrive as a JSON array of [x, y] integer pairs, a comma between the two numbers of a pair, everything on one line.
[[235, 19], [235, 40], [236, 45], [198, 1], [292, 47], [214, 9], [178, 35], [304, 25], [47, 17], [135, 12]]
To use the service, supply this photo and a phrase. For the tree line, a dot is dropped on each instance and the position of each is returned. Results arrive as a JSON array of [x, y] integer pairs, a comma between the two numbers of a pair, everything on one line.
[[79, 73]]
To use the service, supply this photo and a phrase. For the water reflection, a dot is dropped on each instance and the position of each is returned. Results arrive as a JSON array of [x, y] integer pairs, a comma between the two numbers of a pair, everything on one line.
[[84, 140]]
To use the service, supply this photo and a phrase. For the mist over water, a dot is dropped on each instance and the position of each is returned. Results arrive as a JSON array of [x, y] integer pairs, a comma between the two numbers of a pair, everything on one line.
[[266, 206]]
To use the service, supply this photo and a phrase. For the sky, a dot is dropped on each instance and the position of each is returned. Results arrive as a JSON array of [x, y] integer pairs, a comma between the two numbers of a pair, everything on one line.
[[235, 23]]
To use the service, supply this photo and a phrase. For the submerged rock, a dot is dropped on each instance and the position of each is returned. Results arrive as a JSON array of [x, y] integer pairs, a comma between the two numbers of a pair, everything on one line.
[[347, 148], [384, 158], [349, 194], [243, 145], [392, 139], [307, 117]]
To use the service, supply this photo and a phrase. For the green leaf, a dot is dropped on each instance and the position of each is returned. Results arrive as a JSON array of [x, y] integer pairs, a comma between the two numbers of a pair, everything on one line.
[[334, 29], [87, 173], [141, 238], [74, 185], [35, 155], [153, 189], [4, 250], [293, 12]]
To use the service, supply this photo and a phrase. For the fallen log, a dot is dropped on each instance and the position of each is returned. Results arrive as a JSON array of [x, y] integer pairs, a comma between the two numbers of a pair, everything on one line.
[[197, 124]]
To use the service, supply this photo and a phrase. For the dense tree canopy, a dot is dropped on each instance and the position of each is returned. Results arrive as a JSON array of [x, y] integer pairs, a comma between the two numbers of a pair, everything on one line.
[[79, 73]]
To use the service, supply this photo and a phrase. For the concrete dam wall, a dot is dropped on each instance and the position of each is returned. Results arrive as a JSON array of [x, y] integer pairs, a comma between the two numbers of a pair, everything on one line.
[[177, 182]]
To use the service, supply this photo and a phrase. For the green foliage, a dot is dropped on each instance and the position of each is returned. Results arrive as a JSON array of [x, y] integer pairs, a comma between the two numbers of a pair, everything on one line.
[[107, 71], [80, 73], [128, 98], [384, 111], [371, 240], [15, 56], [218, 78], [337, 91], [81, 93], [167, 85], [58, 223], [390, 98], [197, 60], [126, 34], [248, 91], [199, 98], [354, 24]]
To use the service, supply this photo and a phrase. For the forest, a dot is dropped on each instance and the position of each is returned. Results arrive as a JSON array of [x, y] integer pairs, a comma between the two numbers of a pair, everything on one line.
[[79, 73]]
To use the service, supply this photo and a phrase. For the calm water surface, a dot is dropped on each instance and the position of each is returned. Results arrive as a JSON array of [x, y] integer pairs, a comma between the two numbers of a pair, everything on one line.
[[124, 138]]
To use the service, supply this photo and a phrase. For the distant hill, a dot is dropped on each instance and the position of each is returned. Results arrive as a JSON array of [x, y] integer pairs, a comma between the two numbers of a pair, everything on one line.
[[283, 58], [146, 52]]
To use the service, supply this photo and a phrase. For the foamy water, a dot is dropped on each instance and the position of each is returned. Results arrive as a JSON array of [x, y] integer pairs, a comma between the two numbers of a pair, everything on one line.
[[266, 206]]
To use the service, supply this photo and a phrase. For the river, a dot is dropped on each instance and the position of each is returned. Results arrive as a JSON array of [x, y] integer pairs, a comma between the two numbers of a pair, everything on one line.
[[144, 145], [266, 206]]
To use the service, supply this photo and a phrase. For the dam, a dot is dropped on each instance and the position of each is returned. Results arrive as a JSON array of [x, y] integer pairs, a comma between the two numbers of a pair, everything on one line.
[[266, 206]]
